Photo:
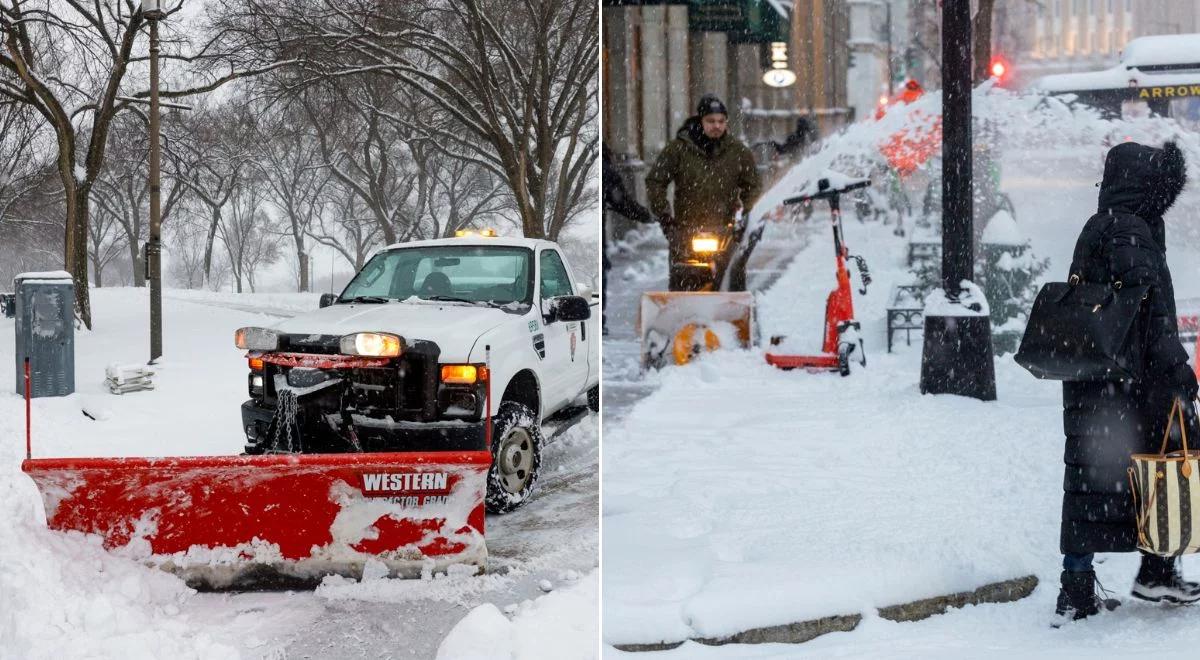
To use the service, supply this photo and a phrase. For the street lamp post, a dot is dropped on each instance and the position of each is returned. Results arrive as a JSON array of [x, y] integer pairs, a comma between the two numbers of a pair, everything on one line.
[[957, 354], [153, 12]]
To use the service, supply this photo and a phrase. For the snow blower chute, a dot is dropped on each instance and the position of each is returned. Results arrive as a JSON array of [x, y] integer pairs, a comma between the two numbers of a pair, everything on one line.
[[840, 340], [277, 519], [694, 317]]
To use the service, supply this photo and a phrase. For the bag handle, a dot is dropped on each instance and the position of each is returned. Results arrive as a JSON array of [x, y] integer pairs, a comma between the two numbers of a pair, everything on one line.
[[1140, 509], [1177, 413]]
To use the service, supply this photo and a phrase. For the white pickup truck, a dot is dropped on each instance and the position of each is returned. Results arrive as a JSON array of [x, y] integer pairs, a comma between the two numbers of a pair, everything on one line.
[[441, 345]]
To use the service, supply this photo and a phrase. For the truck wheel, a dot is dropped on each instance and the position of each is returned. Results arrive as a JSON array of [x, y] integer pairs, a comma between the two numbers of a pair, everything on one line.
[[516, 457], [594, 399]]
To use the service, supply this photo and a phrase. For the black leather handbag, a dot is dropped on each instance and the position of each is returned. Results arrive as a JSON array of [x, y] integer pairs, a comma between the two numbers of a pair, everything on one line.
[[1085, 331]]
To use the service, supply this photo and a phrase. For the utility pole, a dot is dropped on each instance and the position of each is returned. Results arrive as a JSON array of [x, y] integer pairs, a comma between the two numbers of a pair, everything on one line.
[[891, 56], [153, 12], [957, 352]]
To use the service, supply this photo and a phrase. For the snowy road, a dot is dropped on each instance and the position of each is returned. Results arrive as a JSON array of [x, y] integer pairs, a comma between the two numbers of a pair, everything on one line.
[[62, 593]]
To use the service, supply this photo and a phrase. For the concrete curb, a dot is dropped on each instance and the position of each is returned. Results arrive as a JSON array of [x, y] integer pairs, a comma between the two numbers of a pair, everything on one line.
[[917, 610]]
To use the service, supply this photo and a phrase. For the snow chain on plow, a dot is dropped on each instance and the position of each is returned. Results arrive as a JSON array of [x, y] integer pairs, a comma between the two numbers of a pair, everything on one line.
[[284, 423]]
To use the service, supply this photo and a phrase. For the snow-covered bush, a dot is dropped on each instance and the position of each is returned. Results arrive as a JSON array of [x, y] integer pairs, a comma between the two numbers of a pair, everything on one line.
[[1008, 272]]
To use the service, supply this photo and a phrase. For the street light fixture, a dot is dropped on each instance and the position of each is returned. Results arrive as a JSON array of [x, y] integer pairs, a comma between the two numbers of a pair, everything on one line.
[[152, 10]]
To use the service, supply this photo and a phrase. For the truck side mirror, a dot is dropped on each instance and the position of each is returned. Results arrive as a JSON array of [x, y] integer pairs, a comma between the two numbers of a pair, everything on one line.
[[567, 308], [328, 299]]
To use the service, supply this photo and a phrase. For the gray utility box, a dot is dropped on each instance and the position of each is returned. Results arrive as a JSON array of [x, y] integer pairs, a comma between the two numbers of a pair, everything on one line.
[[45, 306]]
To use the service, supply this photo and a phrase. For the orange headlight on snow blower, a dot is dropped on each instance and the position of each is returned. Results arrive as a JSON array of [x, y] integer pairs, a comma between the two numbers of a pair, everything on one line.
[[373, 344], [705, 243]]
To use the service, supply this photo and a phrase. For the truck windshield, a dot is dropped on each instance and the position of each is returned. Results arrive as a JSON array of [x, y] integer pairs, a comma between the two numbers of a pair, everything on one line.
[[496, 275]]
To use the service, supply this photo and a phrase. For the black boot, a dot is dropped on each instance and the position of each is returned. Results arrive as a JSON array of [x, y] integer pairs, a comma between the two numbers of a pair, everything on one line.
[[1159, 581], [1078, 598]]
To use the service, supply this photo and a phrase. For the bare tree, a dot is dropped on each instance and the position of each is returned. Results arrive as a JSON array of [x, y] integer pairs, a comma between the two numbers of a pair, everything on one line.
[[345, 225], [521, 91], [123, 187], [105, 245], [186, 247], [250, 238], [293, 170], [212, 163], [70, 61], [21, 169], [362, 149]]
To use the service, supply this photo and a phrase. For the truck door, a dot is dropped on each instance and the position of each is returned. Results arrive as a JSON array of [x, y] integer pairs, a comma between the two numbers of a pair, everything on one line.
[[565, 365]]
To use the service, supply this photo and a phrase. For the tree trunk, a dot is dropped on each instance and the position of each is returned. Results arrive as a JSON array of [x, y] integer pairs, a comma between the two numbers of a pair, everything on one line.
[[982, 46], [208, 245], [75, 256], [304, 258], [139, 268], [98, 271]]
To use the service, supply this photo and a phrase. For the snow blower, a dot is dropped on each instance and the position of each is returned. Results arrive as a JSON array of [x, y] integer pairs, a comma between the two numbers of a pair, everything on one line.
[[841, 331], [277, 520], [693, 317]]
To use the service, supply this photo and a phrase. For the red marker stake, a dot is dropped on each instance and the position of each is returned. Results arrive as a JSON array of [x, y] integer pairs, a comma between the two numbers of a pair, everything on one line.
[[28, 436], [488, 425]]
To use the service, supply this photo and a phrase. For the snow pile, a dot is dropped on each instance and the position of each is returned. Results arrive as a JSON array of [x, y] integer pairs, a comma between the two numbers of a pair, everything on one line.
[[1042, 128], [65, 597], [561, 624], [971, 302], [1002, 229]]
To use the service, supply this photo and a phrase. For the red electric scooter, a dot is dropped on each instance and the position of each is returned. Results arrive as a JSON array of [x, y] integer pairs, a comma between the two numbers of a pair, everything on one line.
[[841, 329]]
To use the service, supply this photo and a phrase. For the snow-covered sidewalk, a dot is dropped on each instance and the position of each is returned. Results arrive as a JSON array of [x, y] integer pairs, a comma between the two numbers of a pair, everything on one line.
[[739, 497]]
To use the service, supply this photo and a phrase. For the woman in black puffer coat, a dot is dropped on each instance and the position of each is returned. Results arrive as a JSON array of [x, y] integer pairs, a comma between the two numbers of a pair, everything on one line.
[[1106, 422]]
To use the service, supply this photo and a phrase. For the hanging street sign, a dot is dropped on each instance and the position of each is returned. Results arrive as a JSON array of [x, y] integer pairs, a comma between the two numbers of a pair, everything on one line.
[[779, 75]]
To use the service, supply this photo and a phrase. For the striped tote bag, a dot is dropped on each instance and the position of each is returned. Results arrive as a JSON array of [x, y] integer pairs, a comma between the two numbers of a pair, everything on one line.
[[1166, 495]]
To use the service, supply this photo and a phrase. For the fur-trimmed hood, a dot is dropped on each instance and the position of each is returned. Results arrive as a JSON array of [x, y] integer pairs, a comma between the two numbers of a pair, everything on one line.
[[1142, 180]]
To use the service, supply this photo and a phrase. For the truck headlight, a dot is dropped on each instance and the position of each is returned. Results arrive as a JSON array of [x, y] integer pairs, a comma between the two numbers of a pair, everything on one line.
[[705, 244], [373, 344], [256, 339]]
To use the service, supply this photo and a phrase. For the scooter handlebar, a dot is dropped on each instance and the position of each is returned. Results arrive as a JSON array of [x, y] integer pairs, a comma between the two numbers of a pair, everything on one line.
[[825, 192]]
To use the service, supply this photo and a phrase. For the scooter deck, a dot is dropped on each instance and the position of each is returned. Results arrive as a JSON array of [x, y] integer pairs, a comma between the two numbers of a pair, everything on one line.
[[824, 361]]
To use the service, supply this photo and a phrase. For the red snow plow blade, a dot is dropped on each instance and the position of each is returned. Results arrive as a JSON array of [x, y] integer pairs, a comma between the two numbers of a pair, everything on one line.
[[275, 520]]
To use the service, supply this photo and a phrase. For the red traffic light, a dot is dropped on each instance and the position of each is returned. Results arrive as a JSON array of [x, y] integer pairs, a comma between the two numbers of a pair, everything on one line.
[[998, 68]]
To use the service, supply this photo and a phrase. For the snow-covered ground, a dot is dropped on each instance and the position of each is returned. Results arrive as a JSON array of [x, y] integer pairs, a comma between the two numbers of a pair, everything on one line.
[[61, 596], [738, 496]]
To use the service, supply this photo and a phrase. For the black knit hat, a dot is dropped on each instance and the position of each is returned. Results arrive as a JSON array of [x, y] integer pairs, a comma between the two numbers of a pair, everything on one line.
[[710, 105]]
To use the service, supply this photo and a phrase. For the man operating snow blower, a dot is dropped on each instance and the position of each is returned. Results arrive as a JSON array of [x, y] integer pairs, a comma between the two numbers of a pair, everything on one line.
[[714, 176], [716, 183]]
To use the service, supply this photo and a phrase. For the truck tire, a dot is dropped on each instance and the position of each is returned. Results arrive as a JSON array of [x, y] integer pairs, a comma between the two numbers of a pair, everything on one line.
[[516, 457], [594, 399]]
